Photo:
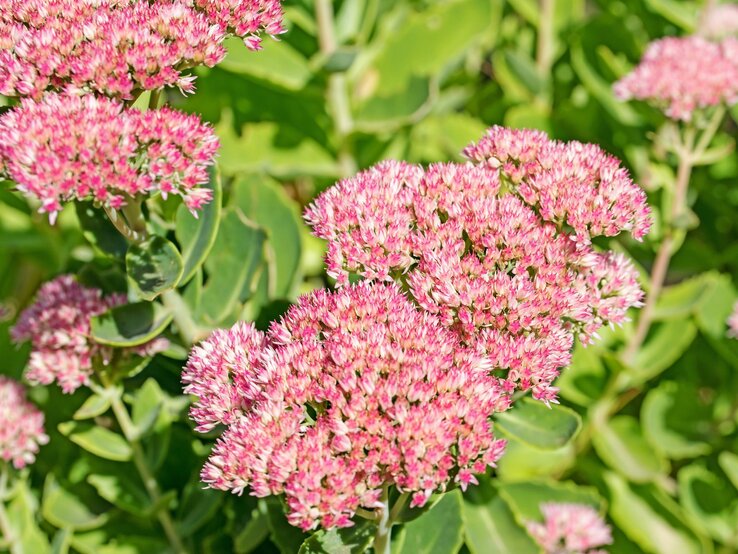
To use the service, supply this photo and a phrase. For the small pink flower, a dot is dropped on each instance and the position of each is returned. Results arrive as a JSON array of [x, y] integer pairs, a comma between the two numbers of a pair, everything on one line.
[[733, 323], [350, 391], [21, 425], [69, 147], [570, 529], [682, 75], [58, 326]]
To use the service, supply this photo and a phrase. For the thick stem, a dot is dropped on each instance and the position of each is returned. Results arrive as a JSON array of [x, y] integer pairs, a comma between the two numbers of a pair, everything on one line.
[[189, 330], [337, 95], [154, 99], [383, 536], [134, 216], [5, 528], [545, 48], [147, 475], [120, 224]]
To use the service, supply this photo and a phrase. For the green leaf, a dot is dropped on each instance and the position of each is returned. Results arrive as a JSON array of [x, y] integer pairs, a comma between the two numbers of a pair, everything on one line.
[[265, 202], [278, 63], [349, 540], [154, 265], [147, 405], [97, 440], [489, 525], [64, 510], [233, 265], [62, 541], [536, 424], [674, 420], [710, 501], [437, 532], [198, 506], [715, 307], [94, 406], [523, 462], [666, 345], [130, 325], [650, 519], [197, 236], [729, 463], [287, 538], [22, 514], [619, 442], [254, 532], [98, 229], [682, 14], [122, 491]]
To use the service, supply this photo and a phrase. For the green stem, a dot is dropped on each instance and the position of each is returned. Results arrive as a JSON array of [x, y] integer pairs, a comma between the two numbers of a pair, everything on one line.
[[154, 99], [545, 46], [188, 328], [5, 527], [120, 224], [147, 475], [383, 536], [134, 215], [337, 95]]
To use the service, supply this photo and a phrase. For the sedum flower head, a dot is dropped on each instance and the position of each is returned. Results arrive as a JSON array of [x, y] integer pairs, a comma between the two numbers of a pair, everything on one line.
[[570, 529], [115, 48], [501, 251], [245, 18], [69, 147], [58, 326], [719, 21], [349, 392], [21, 425], [682, 75]]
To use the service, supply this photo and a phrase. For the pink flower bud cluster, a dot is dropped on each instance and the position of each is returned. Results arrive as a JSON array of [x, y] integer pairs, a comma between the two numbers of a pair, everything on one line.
[[683, 75], [570, 529], [68, 147], [58, 326], [21, 425], [118, 48], [733, 323], [500, 251], [349, 392]]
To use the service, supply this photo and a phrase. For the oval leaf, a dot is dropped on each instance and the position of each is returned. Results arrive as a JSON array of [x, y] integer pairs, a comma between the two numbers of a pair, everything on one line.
[[130, 324], [535, 424], [438, 531], [97, 440], [154, 265], [350, 540]]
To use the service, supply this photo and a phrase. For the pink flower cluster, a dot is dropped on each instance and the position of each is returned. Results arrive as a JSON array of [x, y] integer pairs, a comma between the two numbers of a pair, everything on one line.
[[733, 323], [58, 326], [570, 529], [68, 147], [719, 21], [120, 47], [21, 425], [348, 393], [500, 251], [682, 75]]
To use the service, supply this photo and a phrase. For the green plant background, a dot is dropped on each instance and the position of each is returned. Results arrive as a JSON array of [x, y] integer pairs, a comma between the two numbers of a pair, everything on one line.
[[414, 80]]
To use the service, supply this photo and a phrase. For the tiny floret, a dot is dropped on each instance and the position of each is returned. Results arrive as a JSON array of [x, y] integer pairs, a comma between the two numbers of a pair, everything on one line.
[[69, 147], [58, 326], [348, 393], [683, 75], [570, 529], [21, 425]]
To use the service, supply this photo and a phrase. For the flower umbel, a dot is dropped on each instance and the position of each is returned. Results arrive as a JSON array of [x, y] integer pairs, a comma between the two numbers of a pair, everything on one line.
[[58, 326], [682, 75], [21, 425], [69, 147], [570, 529], [349, 392], [500, 251]]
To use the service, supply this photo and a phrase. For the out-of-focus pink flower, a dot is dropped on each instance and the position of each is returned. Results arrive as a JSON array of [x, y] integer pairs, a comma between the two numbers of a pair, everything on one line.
[[58, 326], [719, 22], [21, 425], [245, 18], [681, 75], [733, 323], [501, 251], [69, 147], [570, 529], [350, 391]]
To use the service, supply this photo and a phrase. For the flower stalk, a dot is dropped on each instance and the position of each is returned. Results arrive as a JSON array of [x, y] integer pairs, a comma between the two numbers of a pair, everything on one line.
[[9, 539]]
